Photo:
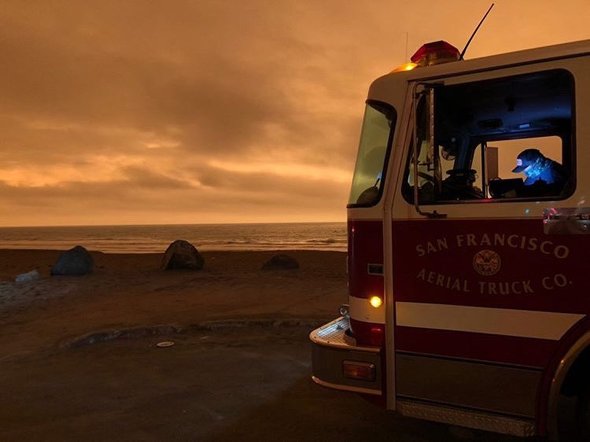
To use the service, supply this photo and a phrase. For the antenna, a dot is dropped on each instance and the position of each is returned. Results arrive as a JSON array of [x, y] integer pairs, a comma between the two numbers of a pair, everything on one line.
[[474, 32]]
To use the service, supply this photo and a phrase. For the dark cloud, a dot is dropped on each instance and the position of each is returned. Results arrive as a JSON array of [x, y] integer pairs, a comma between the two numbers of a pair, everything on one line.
[[246, 197]]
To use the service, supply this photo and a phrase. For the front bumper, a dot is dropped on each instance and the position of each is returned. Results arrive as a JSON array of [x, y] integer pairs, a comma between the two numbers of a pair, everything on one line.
[[331, 346]]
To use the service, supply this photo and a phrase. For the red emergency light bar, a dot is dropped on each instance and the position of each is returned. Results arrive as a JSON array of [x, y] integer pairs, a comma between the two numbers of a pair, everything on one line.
[[435, 53]]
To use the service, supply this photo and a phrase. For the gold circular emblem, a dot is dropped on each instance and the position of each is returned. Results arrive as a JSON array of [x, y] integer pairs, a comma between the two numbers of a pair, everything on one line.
[[487, 262]]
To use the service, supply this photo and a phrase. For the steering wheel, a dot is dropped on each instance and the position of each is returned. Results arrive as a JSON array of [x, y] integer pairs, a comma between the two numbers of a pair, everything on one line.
[[460, 183]]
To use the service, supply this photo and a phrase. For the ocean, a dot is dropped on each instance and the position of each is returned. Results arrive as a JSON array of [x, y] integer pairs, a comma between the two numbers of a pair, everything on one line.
[[156, 238]]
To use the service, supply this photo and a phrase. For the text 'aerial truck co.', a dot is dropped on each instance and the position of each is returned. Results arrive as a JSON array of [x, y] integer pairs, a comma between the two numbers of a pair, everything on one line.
[[469, 243]]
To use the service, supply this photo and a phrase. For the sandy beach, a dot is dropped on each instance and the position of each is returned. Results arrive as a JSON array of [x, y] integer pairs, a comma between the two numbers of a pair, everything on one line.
[[112, 391], [130, 290]]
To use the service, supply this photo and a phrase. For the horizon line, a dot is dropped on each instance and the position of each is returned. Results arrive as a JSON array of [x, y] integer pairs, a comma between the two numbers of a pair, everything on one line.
[[172, 224]]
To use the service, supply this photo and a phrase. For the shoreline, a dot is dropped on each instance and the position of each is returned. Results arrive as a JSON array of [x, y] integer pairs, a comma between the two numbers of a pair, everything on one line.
[[201, 249]]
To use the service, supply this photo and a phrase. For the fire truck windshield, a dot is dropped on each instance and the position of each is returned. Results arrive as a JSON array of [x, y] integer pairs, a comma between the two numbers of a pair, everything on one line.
[[369, 173]]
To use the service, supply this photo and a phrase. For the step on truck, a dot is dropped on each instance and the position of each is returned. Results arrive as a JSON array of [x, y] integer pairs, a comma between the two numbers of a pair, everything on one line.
[[469, 243]]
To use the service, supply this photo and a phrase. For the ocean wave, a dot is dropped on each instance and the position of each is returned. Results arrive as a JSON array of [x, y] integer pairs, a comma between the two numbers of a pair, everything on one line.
[[150, 239]]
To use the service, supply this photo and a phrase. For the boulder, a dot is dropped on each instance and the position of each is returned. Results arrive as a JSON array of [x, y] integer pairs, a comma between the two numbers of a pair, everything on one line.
[[76, 262], [182, 254], [281, 262]]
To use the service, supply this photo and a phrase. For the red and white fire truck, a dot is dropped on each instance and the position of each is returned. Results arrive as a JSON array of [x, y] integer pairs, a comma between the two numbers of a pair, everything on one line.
[[469, 269]]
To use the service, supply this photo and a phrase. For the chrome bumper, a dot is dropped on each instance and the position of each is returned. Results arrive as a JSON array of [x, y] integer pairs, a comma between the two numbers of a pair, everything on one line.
[[331, 346]]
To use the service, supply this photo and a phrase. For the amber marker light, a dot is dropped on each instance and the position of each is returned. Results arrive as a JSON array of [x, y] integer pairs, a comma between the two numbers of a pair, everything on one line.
[[376, 301], [405, 67], [363, 371]]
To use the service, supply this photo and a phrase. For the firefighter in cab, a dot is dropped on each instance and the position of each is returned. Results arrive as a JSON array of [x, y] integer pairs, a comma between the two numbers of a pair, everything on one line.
[[544, 176]]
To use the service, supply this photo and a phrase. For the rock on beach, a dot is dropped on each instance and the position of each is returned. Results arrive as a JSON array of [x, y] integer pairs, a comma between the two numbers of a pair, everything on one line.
[[74, 262], [31, 276], [182, 254]]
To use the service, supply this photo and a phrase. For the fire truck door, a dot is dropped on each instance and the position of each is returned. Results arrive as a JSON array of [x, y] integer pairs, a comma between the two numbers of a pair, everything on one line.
[[483, 294]]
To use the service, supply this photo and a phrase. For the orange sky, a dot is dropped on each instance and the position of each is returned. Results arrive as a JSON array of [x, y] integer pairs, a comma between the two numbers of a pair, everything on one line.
[[208, 111]]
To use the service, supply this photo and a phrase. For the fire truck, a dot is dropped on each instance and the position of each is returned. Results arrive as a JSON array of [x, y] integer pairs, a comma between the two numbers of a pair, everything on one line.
[[468, 263]]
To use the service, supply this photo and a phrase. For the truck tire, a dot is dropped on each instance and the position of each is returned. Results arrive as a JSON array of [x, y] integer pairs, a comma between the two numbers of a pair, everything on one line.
[[582, 418]]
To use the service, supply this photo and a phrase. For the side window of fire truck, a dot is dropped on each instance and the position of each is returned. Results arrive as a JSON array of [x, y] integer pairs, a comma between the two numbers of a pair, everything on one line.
[[369, 172], [506, 138]]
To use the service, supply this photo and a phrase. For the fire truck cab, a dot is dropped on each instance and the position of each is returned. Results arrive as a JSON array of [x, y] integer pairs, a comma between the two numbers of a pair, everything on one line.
[[469, 243]]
